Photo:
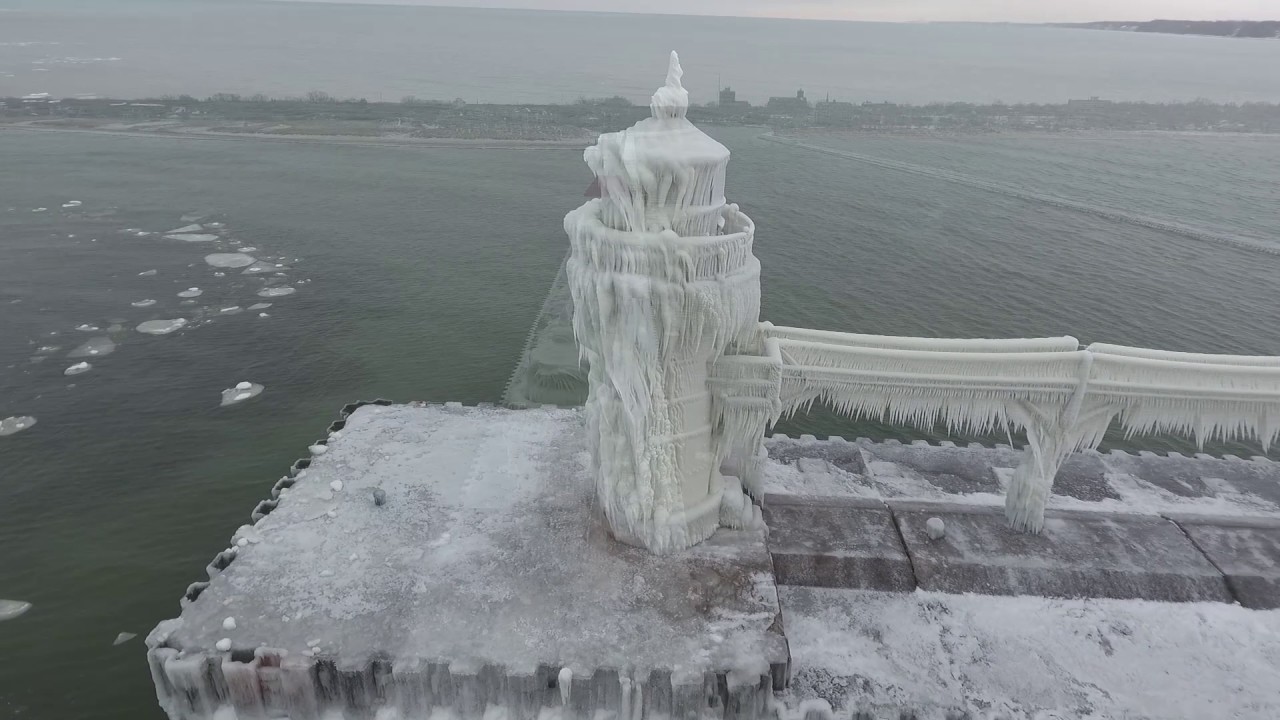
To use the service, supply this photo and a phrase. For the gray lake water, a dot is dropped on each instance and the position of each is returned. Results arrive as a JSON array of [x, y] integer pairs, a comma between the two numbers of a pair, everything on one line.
[[423, 271], [133, 48], [418, 272]]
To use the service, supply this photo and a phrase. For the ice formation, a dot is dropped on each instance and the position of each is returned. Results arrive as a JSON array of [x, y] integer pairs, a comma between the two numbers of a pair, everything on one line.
[[191, 293], [663, 282], [276, 292], [10, 609], [80, 367], [123, 638], [162, 327], [241, 392], [143, 303], [229, 260], [147, 273], [94, 347], [11, 425], [192, 237]]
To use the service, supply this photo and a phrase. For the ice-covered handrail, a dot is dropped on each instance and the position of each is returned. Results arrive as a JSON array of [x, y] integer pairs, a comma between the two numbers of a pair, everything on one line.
[[979, 345], [1063, 398]]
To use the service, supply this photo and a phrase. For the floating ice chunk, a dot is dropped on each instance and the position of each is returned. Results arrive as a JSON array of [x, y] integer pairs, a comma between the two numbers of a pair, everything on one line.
[[276, 291], [215, 224], [194, 216], [229, 624], [336, 486], [185, 229], [46, 349], [38, 209], [223, 645], [191, 293], [241, 392], [263, 315], [11, 425], [72, 203], [233, 310], [318, 449], [162, 327], [94, 347], [260, 267], [10, 609], [935, 528], [80, 367], [229, 260], [259, 306], [146, 273], [143, 303], [124, 637], [248, 249], [192, 237], [88, 328]]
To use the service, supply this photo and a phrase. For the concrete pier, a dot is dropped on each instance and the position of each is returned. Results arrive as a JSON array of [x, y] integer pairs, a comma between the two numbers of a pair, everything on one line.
[[429, 559]]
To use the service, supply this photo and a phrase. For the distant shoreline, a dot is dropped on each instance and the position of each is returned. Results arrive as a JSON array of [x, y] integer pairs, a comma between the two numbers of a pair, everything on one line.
[[1251, 29], [197, 133]]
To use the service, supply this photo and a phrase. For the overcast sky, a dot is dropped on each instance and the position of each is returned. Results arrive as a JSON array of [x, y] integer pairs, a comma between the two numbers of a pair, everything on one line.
[[910, 10]]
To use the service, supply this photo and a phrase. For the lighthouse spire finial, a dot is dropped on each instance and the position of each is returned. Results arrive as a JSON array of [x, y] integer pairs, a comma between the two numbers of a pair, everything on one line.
[[671, 100]]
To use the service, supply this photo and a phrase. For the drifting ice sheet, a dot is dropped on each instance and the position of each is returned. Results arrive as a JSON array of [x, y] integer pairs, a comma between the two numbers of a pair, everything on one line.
[[161, 327], [11, 425]]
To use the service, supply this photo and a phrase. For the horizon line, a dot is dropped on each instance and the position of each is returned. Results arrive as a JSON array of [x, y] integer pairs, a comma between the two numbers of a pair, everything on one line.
[[918, 21]]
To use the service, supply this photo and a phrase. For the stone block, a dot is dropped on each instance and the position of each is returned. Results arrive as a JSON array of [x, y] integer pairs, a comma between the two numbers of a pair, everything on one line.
[[1078, 555], [1249, 557], [836, 542]]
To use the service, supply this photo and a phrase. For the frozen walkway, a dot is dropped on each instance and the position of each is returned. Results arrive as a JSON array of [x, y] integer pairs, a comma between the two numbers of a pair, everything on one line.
[[434, 559]]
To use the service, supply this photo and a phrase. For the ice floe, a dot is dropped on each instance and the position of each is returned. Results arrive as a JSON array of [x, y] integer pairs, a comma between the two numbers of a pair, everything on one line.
[[191, 293], [248, 249], [80, 367], [88, 328], [259, 268], [146, 273], [259, 306], [192, 237], [38, 209], [185, 229], [241, 392], [72, 203], [10, 609], [194, 217], [276, 291], [11, 425], [143, 303], [162, 327], [233, 310], [124, 637], [94, 347], [229, 260]]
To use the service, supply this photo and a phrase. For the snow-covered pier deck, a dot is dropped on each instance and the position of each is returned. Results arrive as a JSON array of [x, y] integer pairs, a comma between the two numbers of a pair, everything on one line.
[[442, 561]]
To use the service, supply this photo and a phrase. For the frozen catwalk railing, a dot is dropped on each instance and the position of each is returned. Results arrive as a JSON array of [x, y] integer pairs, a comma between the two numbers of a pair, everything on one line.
[[1062, 397]]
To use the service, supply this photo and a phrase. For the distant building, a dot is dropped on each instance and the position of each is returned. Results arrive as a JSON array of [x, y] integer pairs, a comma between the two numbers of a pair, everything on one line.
[[789, 105], [729, 99]]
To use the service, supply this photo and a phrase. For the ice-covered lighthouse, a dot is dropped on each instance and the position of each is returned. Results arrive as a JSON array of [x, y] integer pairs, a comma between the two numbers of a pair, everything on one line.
[[663, 282]]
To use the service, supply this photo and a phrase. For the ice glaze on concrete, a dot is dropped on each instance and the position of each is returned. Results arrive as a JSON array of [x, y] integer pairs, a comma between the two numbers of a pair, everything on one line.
[[483, 574], [934, 656]]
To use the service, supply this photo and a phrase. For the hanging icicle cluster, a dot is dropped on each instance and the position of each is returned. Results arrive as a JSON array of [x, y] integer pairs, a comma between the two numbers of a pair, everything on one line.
[[1062, 397]]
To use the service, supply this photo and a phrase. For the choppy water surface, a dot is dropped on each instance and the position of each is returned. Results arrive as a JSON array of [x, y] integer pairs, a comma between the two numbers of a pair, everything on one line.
[[418, 274]]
